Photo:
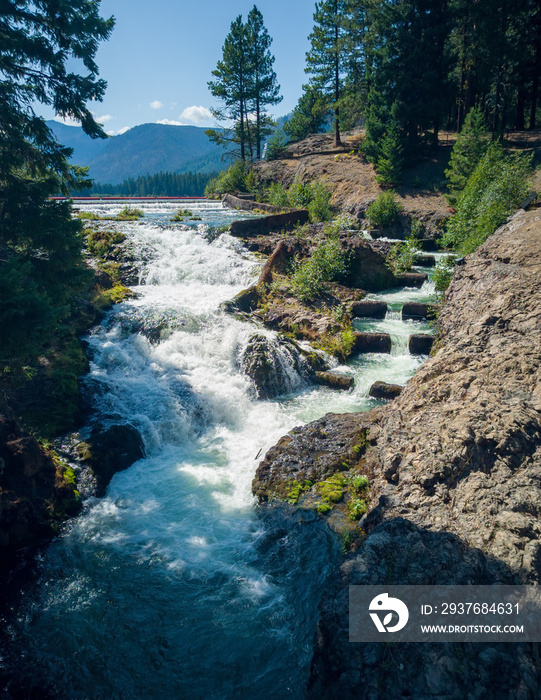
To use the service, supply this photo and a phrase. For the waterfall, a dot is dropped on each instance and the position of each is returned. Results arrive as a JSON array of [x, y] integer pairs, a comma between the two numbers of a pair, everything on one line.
[[173, 585]]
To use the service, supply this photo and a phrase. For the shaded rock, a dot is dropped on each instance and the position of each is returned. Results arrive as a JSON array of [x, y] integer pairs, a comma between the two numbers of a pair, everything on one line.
[[428, 244], [368, 309], [416, 311], [334, 380], [367, 266], [425, 260], [34, 497], [372, 342], [382, 390], [273, 222], [277, 261], [247, 203], [275, 365], [113, 447], [244, 301], [412, 279], [420, 344]]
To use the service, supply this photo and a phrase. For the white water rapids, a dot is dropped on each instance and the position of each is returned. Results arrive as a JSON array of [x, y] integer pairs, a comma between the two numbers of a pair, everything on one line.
[[171, 586]]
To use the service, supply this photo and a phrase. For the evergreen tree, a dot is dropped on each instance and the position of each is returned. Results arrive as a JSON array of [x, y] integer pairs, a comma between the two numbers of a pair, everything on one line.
[[309, 116], [470, 147], [232, 87], [327, 56], [246, 84], [264, 86], [42, 264]]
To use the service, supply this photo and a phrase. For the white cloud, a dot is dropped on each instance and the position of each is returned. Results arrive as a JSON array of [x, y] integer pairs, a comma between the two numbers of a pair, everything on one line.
[[196, 115], [119, 131], [156, 104], [171, 122], [104, 119], [68, 121]]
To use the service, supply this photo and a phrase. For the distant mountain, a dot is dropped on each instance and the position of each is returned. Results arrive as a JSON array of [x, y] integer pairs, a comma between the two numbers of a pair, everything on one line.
[[145, 149]]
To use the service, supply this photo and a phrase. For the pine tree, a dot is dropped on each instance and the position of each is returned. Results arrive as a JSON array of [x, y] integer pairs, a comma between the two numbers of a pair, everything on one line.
[[232, 87], [327, 56], [470, 147], [264, 86], [42, 266], [309, 116]]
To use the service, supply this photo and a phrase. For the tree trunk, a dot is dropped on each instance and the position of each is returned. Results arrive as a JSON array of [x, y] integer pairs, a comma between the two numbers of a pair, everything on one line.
[[337, 140]]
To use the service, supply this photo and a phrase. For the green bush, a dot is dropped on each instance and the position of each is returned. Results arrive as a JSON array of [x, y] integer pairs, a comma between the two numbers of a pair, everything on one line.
[[384, 210], [493, 191], [128, 213], [443, 273], [327, 264], [299, 194], [229, 181], [319, 205], [401, 256], [277, 195]]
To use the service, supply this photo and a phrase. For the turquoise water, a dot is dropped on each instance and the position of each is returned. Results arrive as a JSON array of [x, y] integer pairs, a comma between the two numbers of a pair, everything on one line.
[[175, 585]]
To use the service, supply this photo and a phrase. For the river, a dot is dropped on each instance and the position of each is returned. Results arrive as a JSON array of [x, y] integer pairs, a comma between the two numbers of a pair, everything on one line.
[[172, 586]]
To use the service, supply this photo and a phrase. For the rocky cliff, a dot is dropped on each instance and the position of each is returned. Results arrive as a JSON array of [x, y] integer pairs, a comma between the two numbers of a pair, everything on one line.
[[455, 483]]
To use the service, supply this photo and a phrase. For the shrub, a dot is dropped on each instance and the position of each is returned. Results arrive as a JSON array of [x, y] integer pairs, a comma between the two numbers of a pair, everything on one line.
[[443, 273], [384, 210], [299, 194], [276, 145], [401, 256], [231, 180], [493, 191], [319, 205], [327, 264], [128, 213], [357, 508], [277, 195]]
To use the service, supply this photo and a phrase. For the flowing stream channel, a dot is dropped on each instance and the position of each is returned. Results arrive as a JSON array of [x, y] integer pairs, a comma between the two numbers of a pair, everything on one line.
[[172, 586]]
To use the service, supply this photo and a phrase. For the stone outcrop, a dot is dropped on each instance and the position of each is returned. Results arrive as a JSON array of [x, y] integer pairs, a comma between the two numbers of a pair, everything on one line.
[[455, 465], [277, 365], [412, 279], [34, 495], [367, 267]]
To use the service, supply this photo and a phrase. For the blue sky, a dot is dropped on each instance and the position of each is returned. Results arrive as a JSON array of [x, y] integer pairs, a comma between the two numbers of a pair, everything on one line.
[[161, 54]]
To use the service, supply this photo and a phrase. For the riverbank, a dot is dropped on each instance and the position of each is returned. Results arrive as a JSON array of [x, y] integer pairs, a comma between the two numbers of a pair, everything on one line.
[[455, 483]]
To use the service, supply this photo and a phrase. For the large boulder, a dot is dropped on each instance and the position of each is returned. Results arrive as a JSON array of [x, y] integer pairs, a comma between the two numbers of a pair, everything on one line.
[[275, 365], [367, 267], [113, 446], [382, 390], [264, 224]]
